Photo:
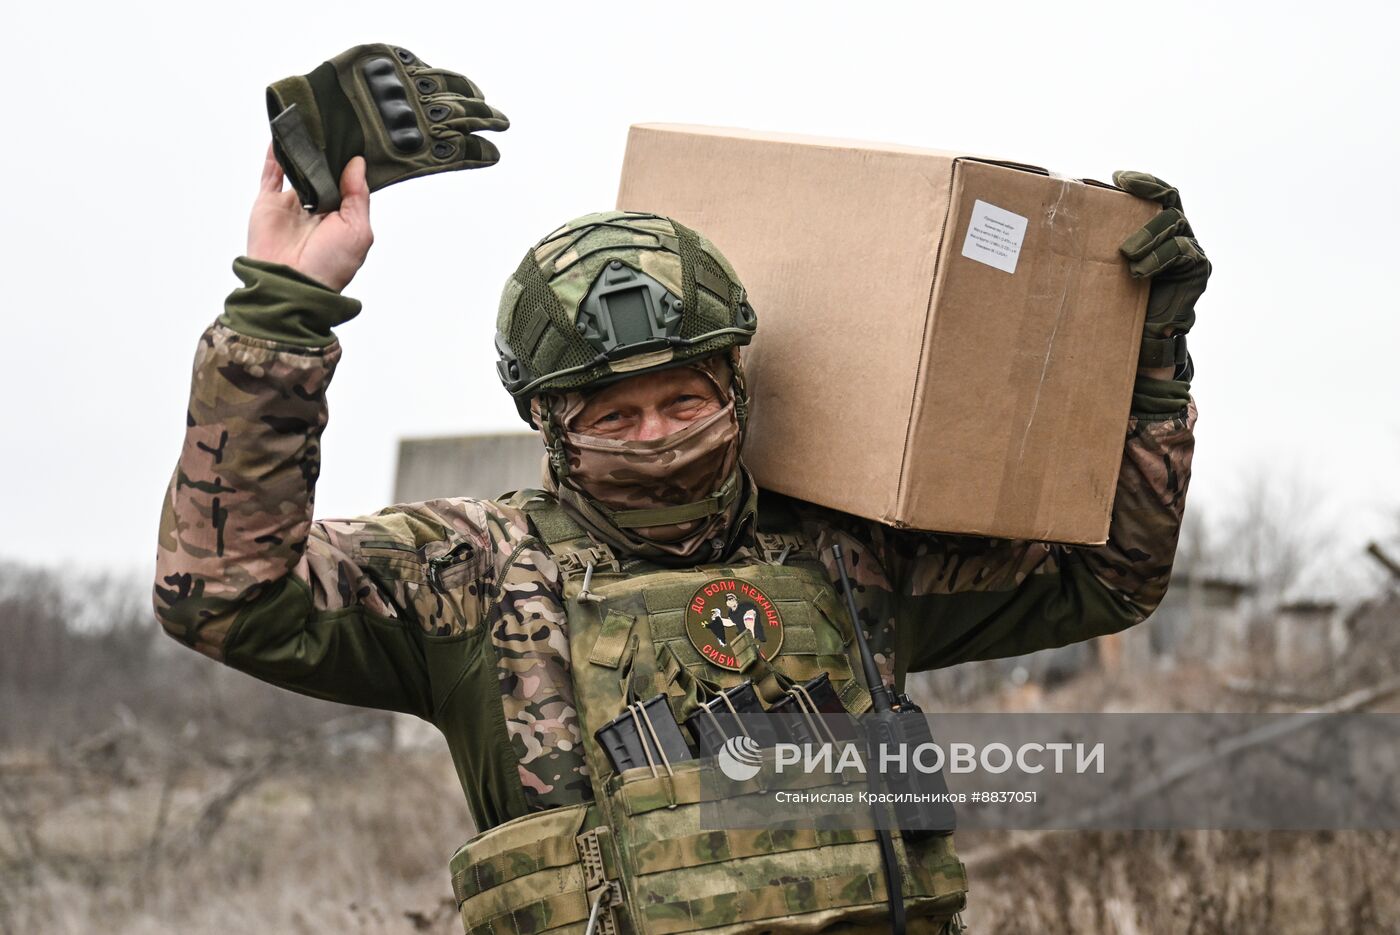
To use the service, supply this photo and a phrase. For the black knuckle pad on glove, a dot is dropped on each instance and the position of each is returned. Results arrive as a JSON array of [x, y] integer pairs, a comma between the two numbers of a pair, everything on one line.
[[442, 109], [386, 104], [390, 96]]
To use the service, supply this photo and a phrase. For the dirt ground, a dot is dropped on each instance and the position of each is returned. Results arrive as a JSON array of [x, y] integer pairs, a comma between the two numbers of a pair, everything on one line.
[[145, 790], [333, 828], [359, 843]]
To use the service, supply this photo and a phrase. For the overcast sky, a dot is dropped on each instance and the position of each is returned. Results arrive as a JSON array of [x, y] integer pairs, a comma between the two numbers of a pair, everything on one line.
[[136, 132]]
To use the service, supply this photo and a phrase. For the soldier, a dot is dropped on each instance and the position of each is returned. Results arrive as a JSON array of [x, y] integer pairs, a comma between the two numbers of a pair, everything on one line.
[[518, 626]]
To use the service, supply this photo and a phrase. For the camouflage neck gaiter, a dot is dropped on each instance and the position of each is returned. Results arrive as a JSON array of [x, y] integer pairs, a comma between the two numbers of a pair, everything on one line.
[[613, 486]]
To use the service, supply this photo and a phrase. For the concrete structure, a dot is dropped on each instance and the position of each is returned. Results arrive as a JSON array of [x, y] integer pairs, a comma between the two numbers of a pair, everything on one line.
[[467, 466], [1309, 637], [1203, 617]]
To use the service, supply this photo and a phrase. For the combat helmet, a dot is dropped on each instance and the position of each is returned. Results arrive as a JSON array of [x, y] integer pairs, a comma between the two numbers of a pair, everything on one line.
[[611, 295]]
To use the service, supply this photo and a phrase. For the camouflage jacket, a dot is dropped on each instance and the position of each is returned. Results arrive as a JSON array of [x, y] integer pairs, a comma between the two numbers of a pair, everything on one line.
[[451, 610]]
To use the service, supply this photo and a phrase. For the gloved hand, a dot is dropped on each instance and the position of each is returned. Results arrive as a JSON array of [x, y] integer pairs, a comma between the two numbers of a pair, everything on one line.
[[1166, 250], [383, 103]]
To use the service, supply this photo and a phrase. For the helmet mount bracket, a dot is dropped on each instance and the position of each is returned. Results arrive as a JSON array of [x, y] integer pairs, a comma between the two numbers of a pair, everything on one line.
[[627, 310]]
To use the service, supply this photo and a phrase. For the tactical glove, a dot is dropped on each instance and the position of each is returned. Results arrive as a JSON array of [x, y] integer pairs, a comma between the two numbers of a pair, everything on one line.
[[1166, 250], [384, 103]]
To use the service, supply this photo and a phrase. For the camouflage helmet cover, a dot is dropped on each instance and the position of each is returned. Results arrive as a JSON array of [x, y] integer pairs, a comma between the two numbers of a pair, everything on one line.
[[614, 294]]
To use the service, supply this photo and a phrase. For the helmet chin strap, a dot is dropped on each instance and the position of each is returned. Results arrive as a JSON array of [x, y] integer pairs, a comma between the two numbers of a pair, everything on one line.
[[717, 502], [552, 432], [702, 545], [739, 387]]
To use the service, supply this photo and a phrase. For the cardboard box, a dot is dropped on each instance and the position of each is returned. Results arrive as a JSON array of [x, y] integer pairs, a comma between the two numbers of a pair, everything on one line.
[[945, 342]]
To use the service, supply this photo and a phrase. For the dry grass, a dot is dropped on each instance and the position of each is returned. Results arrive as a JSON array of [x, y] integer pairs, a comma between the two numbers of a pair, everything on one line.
[[355, 842], [144, 790], [1195, 883]]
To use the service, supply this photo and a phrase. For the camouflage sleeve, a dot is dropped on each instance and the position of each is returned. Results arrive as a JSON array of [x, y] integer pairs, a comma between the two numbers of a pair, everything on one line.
[[243, 574], [959, 598]]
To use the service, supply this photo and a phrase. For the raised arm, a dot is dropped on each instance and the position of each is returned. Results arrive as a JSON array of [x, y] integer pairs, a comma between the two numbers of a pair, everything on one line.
[[945, 599], [939, 600], [243, 574], [964, 599]]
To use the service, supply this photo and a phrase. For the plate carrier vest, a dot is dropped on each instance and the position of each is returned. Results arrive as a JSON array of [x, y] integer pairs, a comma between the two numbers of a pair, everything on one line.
[[635, 860]]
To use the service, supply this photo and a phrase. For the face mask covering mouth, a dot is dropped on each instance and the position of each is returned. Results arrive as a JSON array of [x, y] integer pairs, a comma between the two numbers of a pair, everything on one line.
[[662, 488], [674, 497]]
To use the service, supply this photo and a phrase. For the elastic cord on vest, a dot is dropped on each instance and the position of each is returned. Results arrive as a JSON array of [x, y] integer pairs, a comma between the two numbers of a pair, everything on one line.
[[640, 717], [812, 714]]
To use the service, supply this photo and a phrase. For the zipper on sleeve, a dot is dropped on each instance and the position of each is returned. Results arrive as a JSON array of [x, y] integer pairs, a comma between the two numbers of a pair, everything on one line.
[[458, 554]]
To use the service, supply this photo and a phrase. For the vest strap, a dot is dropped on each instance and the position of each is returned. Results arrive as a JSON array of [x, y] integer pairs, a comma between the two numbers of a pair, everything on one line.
[[671, 672], [612, 640], [572, 548], [768, 682], [575, 555], [552, 522]]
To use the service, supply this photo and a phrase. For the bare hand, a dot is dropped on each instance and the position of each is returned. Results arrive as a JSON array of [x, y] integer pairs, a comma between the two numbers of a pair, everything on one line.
[[330, 248]]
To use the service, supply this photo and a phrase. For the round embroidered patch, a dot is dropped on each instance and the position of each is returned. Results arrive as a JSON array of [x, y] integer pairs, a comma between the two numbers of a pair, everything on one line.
[[724, 607]]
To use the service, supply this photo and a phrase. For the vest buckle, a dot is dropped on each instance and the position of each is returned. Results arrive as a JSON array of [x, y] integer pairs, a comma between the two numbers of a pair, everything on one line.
[[586, 560], [575, 561], [603, 893], [775, 547]]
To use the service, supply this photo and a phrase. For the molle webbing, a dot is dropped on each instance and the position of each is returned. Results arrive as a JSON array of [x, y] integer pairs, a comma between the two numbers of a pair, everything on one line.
[[537, 873], [692, 879], [665, 874], [806, 652]]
